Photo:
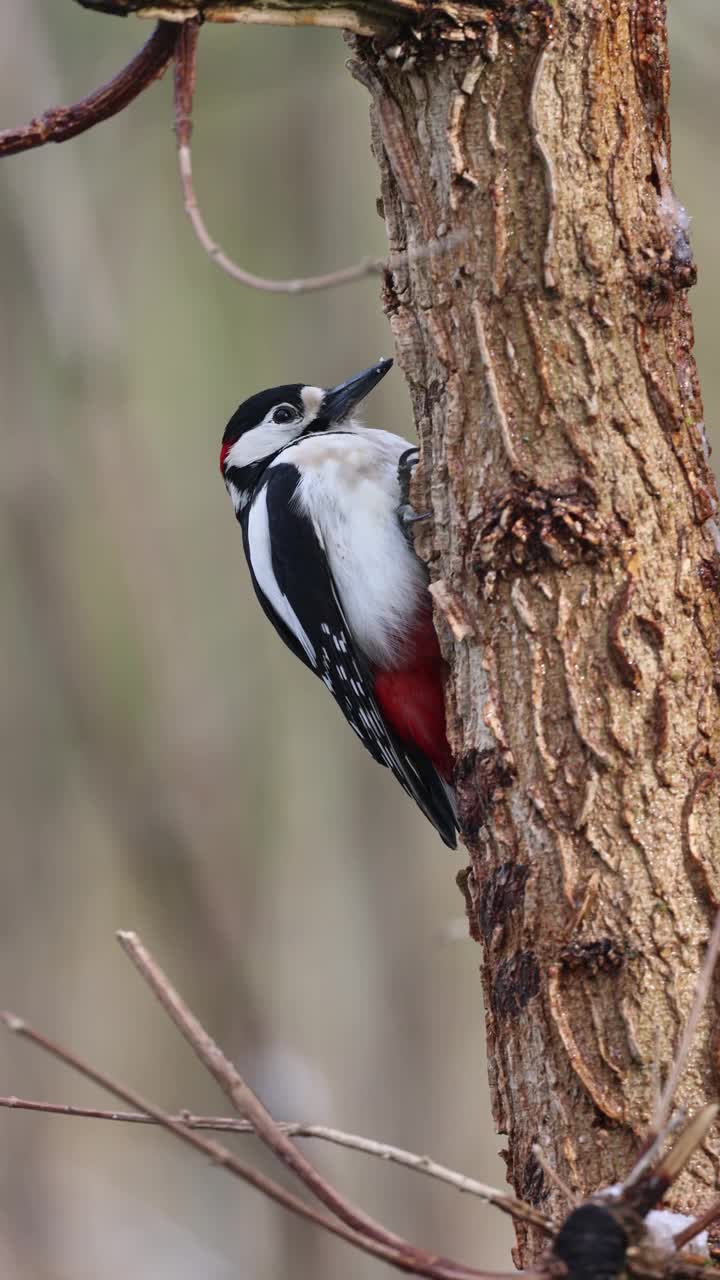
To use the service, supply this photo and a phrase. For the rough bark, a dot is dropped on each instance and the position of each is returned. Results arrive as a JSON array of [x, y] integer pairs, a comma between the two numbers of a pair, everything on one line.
[[573, 547], [573, 551]]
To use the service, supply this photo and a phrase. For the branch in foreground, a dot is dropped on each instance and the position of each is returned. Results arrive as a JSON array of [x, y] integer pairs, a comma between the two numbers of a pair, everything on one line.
[[404, 1258], [688, 1034], [296, 1129], [664, 1124], [185, 77], [622, 1217], [647, 1191], [178, 39], [699, 1224], [554, 1176], [60, 123], [592, 1235], [363, 17], [249, 1105]]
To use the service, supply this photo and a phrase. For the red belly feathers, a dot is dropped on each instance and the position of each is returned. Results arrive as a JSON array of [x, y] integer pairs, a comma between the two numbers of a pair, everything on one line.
[[411, 698]]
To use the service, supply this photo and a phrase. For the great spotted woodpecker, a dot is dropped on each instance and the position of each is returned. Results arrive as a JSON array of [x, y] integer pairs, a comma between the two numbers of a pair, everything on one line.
[[320, 501]]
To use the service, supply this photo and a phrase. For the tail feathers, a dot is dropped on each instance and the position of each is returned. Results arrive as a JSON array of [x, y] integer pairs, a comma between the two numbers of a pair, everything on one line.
[[452, 801], [432, 794], [445, 817], [413, 708]]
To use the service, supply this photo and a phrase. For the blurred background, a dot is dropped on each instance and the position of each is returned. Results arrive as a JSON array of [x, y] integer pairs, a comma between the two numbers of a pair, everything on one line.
[[166, 764]]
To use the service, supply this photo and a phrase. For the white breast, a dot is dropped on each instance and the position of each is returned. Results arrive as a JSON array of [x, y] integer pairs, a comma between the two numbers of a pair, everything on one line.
[[349, 489]]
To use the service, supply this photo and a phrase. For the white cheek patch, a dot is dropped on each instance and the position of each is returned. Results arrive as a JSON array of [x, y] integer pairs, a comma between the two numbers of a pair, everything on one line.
[[312, 398], [259, 443]]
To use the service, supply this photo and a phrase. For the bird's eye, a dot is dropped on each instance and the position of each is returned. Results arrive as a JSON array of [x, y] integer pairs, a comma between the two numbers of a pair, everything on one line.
[[284, 414]]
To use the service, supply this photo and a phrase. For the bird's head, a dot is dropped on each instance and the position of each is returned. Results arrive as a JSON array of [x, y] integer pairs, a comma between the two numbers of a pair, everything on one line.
[[271, 420]]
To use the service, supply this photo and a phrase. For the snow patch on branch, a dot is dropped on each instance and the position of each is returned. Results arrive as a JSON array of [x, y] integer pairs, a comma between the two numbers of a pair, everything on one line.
[[662, 1225]]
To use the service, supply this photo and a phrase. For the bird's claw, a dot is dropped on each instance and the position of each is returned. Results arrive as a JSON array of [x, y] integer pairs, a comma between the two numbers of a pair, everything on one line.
[[407, 515], [407, 464]]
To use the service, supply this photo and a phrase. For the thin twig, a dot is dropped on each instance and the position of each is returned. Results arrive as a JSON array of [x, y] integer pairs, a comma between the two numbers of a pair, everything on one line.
[[692, 1137], [643, 1193], [185, 75], [247, 1102], [554, 1176], [651, 1149], [699, 1224], [296, 1129], [60, 123], [368, 20], [405, 1257], [662, 1110], [241, 1095], [655, 1080]]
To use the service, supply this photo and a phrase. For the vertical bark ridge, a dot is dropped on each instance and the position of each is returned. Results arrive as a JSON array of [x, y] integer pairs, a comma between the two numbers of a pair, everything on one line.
[[573, 551]]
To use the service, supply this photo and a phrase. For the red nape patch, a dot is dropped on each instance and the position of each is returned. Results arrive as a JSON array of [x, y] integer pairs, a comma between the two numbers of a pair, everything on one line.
[[224, 451], [412, 702]]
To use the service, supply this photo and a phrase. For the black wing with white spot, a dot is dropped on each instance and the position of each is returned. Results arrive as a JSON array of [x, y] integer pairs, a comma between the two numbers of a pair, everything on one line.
[[293, 583]]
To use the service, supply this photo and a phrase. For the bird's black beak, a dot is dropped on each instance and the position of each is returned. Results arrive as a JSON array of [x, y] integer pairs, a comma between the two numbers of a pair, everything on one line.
[[339, 402]]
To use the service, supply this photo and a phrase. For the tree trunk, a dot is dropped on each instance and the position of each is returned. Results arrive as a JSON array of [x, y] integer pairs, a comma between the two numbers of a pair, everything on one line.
[[573, 549], [573, 553]]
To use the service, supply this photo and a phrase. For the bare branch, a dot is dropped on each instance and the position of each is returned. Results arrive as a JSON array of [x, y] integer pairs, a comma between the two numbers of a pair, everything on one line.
[[60, 123], [664, 1105], [705, 1220], [691, 1138], [359, 17], [179, 38], [554, 1176], [652, 1147], [248, 1104], [296, 1129], [642, 1193], [663, 1123], [405, 1257], [185, 75]]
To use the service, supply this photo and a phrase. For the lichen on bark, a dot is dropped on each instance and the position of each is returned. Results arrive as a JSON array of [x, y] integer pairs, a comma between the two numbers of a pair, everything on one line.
[[573, 552]]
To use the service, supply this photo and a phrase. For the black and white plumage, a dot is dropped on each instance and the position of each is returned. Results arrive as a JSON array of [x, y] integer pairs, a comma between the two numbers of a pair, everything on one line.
[[318, 497]]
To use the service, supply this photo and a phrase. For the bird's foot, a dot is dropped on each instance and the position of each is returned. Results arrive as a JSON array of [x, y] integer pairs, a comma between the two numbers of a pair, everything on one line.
[[407, 464], [407, 515]]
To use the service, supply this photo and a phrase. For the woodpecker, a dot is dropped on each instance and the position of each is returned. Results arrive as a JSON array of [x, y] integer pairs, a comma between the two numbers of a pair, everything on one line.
[[322, 503]]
